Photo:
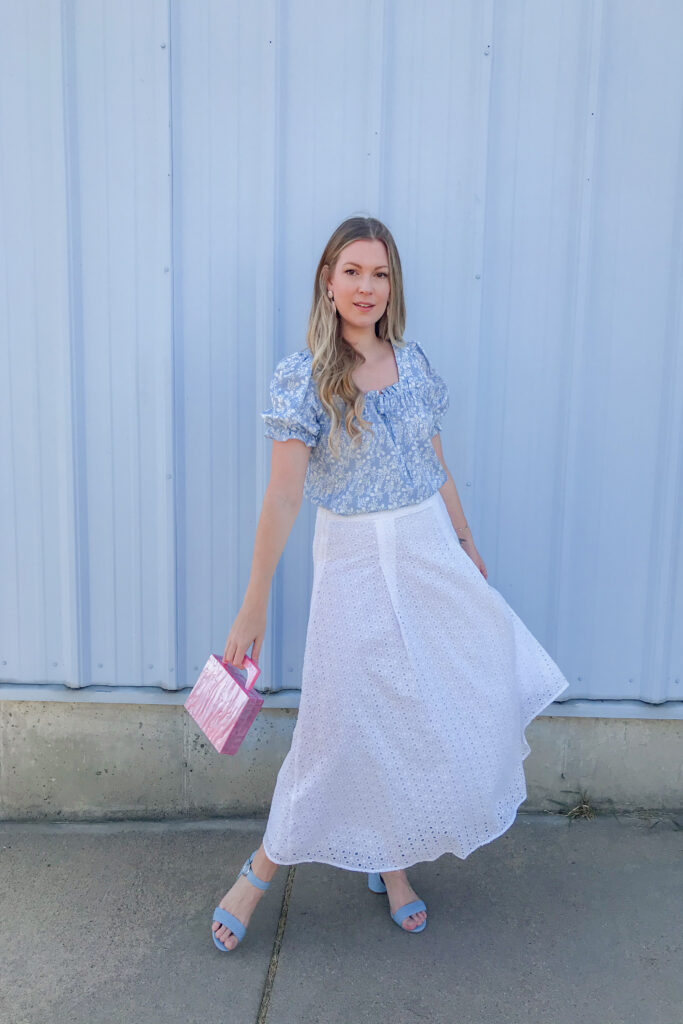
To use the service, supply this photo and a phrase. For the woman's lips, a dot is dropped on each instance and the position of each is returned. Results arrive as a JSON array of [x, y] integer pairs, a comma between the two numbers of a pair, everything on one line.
[[366, 305]]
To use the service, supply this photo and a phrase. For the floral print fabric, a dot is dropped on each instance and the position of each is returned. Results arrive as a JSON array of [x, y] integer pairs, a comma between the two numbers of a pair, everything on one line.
[[395, 467]]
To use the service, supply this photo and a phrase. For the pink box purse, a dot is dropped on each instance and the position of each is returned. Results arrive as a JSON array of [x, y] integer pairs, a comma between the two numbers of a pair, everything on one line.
[[223, 702]]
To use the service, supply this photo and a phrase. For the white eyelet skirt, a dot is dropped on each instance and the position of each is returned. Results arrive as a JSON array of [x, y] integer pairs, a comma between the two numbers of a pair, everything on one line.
[[418, 683]]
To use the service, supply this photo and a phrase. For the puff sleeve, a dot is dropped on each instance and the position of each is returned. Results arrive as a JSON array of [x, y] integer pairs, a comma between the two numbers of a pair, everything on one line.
[[437, 390], [293, 410]]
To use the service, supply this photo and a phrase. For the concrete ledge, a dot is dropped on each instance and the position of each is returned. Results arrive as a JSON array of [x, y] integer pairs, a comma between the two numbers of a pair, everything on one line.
[[572, 707], [85, 761]]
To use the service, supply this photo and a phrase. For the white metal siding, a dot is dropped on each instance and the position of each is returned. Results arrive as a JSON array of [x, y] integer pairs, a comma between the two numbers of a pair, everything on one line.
[[169, 175]]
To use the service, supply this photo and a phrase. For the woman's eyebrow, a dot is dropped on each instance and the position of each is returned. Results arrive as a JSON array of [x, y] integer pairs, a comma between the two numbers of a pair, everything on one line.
[[380, 267]]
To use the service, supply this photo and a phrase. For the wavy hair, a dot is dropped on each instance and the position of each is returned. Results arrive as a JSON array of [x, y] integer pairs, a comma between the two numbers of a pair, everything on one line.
[[333, 357]]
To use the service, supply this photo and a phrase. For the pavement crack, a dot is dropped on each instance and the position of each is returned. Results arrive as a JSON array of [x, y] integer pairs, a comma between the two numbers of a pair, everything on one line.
[[277, 943]]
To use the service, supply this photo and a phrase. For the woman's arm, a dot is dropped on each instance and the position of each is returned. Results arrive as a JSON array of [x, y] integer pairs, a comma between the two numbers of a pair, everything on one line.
[[280, 508], [449, 493]]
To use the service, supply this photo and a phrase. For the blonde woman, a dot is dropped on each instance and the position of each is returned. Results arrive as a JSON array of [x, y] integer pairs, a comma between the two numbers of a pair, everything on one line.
[[418, 678]]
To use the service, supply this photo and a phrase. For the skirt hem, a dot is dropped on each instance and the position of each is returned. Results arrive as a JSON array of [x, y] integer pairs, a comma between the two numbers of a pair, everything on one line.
[[526, 750]]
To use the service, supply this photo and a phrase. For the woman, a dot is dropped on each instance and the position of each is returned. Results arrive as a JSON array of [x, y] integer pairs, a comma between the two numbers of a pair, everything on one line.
[[418, 678]]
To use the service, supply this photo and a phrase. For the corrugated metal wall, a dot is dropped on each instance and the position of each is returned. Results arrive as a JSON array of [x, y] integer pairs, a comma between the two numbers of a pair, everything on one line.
[[169, 175]]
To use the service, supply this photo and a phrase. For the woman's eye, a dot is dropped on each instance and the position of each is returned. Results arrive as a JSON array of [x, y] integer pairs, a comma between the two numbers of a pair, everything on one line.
[[350, 270]]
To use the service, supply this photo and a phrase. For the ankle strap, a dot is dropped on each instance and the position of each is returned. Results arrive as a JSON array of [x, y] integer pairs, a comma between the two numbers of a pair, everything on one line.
[[246, 870]]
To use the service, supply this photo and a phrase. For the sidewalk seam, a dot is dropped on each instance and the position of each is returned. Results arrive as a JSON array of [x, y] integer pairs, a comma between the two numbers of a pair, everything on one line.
[[277, 943]]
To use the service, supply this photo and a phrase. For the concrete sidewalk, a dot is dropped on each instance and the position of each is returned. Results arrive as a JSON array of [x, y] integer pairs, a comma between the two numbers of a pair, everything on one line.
[[555, 921]]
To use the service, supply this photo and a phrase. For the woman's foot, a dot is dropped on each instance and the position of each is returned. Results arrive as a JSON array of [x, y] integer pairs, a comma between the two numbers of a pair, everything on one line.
[[242, 898], [400, 892]]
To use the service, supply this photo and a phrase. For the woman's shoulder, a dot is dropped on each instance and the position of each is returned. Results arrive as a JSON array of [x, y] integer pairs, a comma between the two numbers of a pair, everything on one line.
[[295, 365], [417, 352], [293, 408], [292, 374]]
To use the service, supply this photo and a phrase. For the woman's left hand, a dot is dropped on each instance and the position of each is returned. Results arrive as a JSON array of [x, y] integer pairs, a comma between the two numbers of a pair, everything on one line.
[[469, 549]]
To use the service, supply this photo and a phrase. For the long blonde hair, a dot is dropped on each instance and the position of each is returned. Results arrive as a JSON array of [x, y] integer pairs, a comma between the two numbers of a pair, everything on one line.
[[333, 357]]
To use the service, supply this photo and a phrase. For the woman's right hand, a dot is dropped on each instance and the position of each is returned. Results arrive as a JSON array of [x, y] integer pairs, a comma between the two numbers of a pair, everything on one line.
[[249, 627]]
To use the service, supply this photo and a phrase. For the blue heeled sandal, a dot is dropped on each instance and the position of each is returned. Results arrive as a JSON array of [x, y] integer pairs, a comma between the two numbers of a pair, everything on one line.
[[376, 884], [229, 920]]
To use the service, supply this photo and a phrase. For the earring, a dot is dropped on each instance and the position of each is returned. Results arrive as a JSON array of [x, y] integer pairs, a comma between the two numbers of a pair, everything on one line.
[[329, 294]]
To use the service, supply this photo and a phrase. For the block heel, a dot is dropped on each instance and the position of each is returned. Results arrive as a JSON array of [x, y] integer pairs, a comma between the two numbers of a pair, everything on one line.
[[375, 882]]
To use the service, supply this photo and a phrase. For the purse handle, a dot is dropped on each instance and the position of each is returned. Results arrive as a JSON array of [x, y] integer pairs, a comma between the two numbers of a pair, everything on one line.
[[250, 667]]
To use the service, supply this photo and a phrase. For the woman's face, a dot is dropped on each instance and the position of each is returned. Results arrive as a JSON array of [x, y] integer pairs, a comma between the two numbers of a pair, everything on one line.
[[361, 276]]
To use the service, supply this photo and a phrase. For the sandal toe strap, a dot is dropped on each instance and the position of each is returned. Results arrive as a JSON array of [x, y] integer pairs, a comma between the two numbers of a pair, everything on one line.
[[407, 909], [230, 921]]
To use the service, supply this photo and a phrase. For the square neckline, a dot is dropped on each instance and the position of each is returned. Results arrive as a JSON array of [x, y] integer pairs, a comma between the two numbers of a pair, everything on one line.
[[387, 387]]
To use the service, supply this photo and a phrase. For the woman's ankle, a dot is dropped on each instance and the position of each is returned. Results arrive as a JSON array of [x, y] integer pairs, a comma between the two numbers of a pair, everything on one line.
[[262, 866]]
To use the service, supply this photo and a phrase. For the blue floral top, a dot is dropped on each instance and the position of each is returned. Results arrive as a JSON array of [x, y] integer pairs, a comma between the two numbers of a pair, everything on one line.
[[397, 466]]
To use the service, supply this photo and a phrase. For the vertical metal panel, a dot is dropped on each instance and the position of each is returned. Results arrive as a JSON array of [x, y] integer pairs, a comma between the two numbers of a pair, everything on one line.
[[580, 389], [120, 190], [527, 158], [89, 591], [36, 512], [227, 329]]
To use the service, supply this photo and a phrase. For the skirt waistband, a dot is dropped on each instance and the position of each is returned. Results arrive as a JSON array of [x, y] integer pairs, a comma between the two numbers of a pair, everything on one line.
[[382, 513]]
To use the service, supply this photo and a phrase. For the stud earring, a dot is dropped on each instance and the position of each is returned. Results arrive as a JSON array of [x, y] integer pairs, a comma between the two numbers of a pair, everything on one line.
[[329, 294]]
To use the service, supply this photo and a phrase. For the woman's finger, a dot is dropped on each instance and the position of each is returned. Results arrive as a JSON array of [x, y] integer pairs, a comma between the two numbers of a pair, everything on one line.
[[256, 649]]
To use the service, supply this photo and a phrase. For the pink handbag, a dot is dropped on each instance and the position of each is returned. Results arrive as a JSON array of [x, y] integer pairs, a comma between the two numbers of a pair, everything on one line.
[[223, 702]]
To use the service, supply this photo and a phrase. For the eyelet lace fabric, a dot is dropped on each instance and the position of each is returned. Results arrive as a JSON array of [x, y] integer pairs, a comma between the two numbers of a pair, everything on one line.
[[418, 683]]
